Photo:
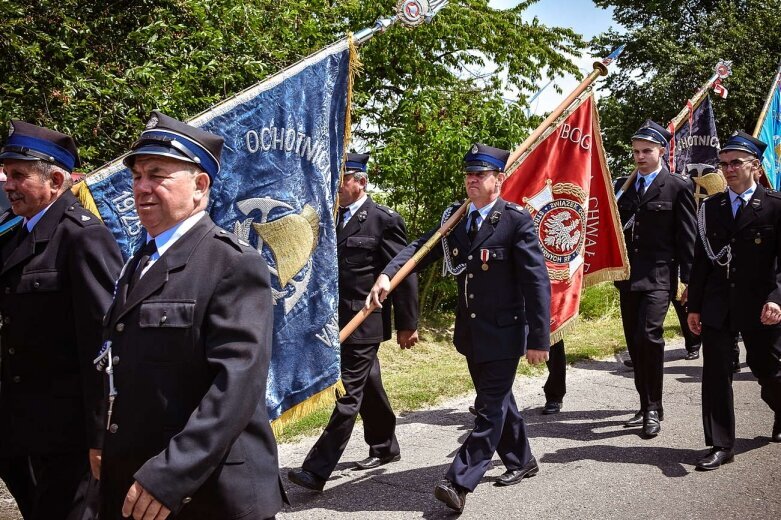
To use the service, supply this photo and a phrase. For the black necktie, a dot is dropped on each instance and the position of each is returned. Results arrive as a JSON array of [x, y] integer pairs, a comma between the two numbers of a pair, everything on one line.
[[640, 187], [340, 218], [146, 252], [473, 225], [738, 211], [22, 234]]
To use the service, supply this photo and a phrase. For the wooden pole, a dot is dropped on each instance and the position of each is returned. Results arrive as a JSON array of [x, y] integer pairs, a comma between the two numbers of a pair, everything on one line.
[[600, 69]]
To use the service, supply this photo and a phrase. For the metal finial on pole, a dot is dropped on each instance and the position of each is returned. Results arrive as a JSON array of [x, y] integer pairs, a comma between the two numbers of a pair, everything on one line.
[[410, 13]]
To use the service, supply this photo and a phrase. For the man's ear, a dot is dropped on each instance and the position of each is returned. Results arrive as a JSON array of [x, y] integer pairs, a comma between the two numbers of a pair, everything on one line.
[[202, 183], [58, 179]]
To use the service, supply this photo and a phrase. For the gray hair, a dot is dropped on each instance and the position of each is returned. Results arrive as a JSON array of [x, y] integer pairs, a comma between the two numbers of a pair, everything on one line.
[[46, 169]]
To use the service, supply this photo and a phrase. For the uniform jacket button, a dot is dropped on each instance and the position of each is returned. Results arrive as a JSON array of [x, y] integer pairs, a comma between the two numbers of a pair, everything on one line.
[[471, 296], [7, 320], [732, 285], [163, 319], [473, 315], [36, 285], [120, 327], [469, 257], [471, 275], [12, 351], [115, 360], [7, 290], [17, 379], [113, 428], [187, 500]]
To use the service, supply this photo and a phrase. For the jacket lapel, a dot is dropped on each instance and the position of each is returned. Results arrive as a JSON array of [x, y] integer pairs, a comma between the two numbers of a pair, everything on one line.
[[17, 252], [157, 275], [656, 187], [724, 212], [355, 222], [487, 228], [751, 210]]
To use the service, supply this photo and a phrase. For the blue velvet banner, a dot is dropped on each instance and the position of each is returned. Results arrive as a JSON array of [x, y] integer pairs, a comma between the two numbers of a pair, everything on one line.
[[284, 142], [697, 142]]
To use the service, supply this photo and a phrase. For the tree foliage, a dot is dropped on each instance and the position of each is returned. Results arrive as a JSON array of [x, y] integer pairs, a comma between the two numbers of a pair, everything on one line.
[[672, 49], [96, 69]]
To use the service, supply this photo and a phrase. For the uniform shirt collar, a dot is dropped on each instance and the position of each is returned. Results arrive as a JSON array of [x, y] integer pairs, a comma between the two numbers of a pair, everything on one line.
[[168, 238], [37, 217], [649, 177], [353, 208], [746, 195], [484, 211]]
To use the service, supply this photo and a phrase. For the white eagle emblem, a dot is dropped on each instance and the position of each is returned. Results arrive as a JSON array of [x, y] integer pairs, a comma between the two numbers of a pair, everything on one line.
[[559, 229], [152, 123]]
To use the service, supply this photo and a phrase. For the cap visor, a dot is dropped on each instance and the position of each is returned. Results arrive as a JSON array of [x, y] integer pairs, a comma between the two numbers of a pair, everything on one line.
[[481, 168], [16, 156], [162, 151], [737, 148]]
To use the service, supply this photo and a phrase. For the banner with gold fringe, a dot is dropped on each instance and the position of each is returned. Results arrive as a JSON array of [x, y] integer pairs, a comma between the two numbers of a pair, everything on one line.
[[564, 182], [285, 139]]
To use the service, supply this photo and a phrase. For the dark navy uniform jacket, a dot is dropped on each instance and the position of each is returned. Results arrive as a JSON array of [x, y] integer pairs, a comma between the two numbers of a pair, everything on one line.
[[502, 310], [659, 233], [371, 238], [191, 347], [55, 287], [732, 296]]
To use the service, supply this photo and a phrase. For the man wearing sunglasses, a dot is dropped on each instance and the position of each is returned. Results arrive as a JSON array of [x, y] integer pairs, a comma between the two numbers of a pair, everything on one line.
[[736, 287], [503, 312]]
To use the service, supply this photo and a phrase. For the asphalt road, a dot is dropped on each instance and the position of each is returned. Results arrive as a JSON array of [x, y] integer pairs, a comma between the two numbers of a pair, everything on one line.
[[590, 466]]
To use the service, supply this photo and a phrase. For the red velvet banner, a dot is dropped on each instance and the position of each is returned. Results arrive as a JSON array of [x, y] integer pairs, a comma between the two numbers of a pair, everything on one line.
[[564, 183]]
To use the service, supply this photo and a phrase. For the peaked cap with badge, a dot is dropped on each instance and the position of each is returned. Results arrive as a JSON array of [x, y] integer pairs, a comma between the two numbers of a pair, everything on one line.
[[169, 137], [481, 158], [356, 162], [29, 142], [743, 142], [653, 132]]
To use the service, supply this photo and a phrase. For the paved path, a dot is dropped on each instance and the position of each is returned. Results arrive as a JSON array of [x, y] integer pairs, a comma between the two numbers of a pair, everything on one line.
[[590, 466]]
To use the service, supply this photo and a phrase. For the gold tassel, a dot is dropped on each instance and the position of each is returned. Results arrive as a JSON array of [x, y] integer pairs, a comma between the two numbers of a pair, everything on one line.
[[557, 336], [81, 191], [324, 399]]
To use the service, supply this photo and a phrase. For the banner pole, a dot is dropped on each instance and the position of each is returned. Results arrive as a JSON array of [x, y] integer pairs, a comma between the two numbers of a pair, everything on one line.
[[769, 99], [722, 71], [600, 69]]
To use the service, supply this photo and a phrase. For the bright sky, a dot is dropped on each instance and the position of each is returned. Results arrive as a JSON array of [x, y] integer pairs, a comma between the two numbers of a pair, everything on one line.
[[580, 15]]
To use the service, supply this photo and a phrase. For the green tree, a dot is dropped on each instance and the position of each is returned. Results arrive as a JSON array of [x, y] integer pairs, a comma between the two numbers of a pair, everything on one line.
[[96, 69], [672, 48]]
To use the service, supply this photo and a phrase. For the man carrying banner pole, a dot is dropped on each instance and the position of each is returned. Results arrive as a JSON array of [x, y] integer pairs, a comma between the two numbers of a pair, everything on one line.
[[503, 313], [658, 216], [368, 237]]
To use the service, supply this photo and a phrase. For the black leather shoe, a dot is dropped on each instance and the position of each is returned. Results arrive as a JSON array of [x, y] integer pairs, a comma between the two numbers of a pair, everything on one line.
[[513, 476], [651, 425], [715, 458], [637, 419], [692, 355], [376, 462], [776, 435], [306, 479], [453, 495], [629, 363], [472, 410], [551, 407]]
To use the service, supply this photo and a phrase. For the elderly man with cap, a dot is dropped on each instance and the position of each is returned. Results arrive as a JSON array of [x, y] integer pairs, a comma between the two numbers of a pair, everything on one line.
[[58, 264], [187, 344], [503, 312], [658, 215], [368, 236], [736, 287]]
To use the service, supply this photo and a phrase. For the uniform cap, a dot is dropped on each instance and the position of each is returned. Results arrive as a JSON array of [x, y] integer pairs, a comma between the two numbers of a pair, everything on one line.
[[743, 142], [28, 142], [653, 132], [357, 162], [481, 157]]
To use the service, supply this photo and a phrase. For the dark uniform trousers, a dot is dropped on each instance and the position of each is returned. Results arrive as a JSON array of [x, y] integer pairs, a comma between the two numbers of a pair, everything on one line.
[[191, 347], [731, 303], [659, 233], [55, 285], [555, 387], [502, 308], [369, 240]]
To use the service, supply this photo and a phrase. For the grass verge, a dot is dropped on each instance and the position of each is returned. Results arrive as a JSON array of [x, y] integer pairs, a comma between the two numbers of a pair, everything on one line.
[[434, 371]]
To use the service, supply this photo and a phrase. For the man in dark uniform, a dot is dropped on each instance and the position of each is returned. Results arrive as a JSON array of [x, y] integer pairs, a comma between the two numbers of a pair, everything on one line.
[[736, 287], [187, 349], [503, 313], [658, 215], [556, 385], [368, 237], [57, 272]]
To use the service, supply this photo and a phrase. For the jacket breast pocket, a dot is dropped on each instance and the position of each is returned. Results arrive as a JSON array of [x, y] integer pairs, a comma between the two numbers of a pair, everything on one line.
[[360, 249], [39, 282], [760, 236], [174, 314]]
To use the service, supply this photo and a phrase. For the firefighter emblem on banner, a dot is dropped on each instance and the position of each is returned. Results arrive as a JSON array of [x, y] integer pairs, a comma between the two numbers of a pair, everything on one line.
[[559, 213]]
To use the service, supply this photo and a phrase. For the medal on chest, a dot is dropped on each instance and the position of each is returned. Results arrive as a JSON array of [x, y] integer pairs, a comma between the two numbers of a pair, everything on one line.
[[484, 254]]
